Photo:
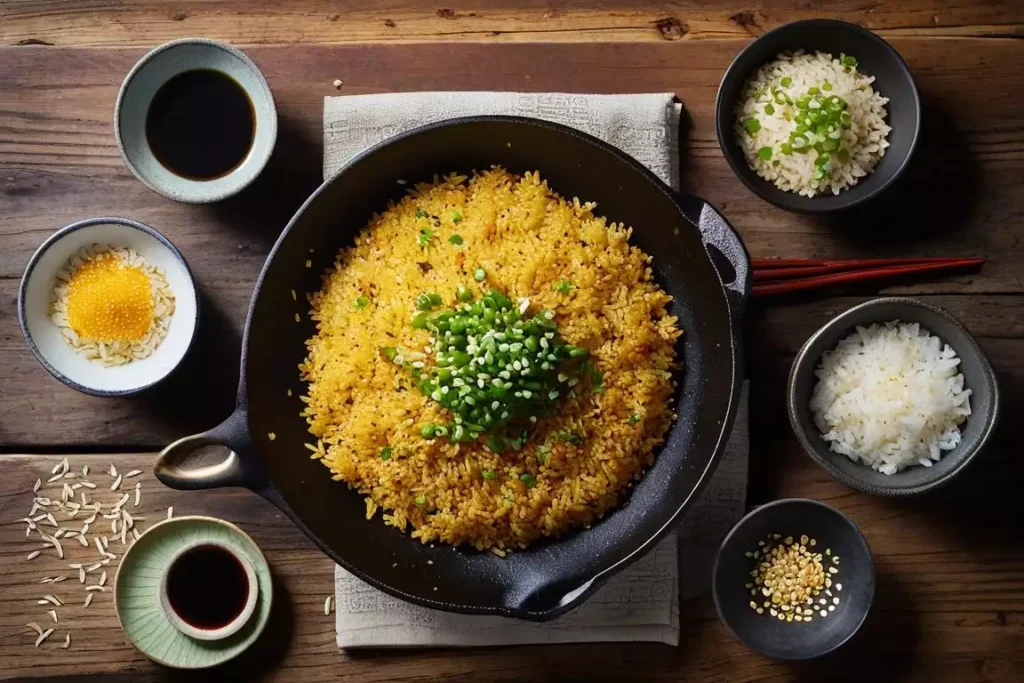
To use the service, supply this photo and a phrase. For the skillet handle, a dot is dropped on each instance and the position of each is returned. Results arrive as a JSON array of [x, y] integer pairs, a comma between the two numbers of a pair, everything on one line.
[[721, 237], [180, 467]]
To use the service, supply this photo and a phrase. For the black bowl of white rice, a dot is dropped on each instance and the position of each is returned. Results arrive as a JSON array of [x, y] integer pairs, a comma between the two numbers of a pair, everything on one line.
[[818, 115], [894, 397]]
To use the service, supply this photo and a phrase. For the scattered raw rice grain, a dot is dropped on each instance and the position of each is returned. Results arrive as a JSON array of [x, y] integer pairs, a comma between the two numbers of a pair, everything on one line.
[[35, 627], [93, 567], [33, 555], [103, 578], [53, 600], [93, 589], [88, 600], [43, 636], [88, 485], [67, 642], [327, 606], [85, 470], [39, 483], [133, 473], [58, 579], [53, 614], [81, 574], [117, 483], [138, 495], [112, 471], [170, 512]]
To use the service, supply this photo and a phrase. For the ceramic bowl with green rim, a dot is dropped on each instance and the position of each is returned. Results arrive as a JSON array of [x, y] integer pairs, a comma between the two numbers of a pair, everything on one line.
[[140, 585]]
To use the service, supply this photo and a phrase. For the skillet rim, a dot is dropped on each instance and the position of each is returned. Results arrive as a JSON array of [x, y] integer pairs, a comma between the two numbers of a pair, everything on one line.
[[734, 316]]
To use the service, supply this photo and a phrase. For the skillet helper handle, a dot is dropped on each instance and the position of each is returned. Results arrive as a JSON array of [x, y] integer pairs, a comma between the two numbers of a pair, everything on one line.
[[180, 467], [722, 237]]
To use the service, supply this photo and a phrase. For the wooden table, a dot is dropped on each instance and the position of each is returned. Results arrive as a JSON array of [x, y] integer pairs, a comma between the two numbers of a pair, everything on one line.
[[950, 600]]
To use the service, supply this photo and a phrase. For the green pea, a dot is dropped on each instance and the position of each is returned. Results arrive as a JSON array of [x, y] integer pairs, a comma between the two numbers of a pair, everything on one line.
[[765, 153]]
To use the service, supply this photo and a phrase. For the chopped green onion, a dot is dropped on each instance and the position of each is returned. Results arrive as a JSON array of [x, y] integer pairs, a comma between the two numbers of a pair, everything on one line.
[[456, 240], [427, 431], [479, 274], [563, 286], [389, 352], [752, 125], [780, 98], [798, 142], [463, 293], [420, 213], [456, 216], [826, 86], [786, 148], [424, 238], [385, 453], [362, 301], [845, 119], [570, 437], [419, 320], [488, 474], [813, 90], [634, 418], [424, 302], [803, 102], [528, 479], [421, 501], [765, 153]]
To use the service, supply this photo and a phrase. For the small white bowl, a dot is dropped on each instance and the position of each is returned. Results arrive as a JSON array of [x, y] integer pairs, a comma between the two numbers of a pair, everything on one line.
[[141, 85], [45, 338], [235, 624]]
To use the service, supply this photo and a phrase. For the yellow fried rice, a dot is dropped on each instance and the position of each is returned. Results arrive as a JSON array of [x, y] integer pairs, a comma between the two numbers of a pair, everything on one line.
[[526, 238]]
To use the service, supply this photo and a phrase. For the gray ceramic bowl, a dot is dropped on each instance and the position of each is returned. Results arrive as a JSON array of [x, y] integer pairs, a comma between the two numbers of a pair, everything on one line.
[[876, 58], [854, 584], [978, 377], [143, 82]]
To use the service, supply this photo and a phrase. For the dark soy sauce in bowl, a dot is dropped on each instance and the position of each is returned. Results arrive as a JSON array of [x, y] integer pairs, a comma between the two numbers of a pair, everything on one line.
[[207, 587], [200, 124]]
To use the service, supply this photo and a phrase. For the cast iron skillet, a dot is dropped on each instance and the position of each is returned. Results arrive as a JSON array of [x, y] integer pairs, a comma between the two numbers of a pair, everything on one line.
[[550, 577]]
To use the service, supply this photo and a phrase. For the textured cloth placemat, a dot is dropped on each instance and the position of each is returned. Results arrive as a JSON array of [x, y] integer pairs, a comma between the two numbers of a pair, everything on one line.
[[640, 603]]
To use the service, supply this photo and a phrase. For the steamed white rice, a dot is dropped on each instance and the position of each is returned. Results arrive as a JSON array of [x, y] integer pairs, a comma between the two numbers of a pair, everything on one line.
[[865, 139], [890, 396]]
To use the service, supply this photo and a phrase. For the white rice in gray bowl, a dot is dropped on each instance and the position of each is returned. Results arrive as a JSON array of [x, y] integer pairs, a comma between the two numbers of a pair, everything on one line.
[[890, 396], [772, 115]]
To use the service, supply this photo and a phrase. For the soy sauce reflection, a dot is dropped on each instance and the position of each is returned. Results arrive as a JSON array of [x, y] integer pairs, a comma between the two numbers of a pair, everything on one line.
[[201, 124], [207, 587]]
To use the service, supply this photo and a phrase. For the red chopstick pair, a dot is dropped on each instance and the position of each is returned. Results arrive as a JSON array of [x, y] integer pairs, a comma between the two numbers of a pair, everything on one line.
[[785, 275]]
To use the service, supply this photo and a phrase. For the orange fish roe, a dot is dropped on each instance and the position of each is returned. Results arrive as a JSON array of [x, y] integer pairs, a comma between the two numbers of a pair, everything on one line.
[[110, 301]]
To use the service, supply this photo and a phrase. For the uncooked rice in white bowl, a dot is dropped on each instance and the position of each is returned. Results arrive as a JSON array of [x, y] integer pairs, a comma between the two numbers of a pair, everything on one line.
[[768, 116], [110, 353], [890, 396]]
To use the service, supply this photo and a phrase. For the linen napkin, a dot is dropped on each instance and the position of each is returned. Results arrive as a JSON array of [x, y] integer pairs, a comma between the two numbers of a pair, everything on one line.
[[640, 603]]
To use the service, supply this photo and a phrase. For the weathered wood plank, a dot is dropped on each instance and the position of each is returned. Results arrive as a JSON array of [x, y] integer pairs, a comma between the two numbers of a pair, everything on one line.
[[148, 22], [59, 163], [948, 607]]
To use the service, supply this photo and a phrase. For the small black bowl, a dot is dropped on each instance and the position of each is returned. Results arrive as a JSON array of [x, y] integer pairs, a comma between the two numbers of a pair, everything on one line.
[[875, 58], [978, 374], [854, 584]]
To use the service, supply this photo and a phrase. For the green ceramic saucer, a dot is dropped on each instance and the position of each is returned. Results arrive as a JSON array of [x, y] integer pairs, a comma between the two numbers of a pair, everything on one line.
[[137, 594]]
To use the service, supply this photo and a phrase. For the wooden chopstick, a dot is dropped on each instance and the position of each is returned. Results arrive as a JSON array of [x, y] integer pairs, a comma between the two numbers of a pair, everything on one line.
[[814, 282], [766, 263], [792, 272]]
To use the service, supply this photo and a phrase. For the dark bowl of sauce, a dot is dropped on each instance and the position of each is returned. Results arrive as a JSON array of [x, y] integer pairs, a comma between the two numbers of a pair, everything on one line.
[[195, 120], [208, 590]]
